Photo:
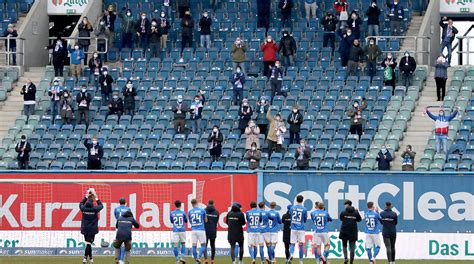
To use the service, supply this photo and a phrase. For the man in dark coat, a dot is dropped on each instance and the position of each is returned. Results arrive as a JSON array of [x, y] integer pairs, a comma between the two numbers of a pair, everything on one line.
[[286, 220], [245, 114], [235, 221], [447, 37], [287, 49], [384, 158], [124, 225], [59, 55], [105, 81], [205, 24], [407, 66], [115, 106], [90, 221], [179, 109], [347, 39], [187, 25], [11, 43], [23, 148], [349, 231], [211, 229], [129, 93], [285, 7], [83, 100], [329, 24], [389, 231], [295, 119], [95, 152], [263, 14], [143, 26], [303, 155]]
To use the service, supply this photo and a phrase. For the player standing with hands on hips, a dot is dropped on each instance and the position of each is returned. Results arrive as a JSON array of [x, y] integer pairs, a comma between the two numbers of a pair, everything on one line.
[[178, 219], [372, 230], [90, 221], [197, 218], [299, 215]]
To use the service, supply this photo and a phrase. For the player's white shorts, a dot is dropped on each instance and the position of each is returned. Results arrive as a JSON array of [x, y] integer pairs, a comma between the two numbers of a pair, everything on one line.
[[178, 237], [320, 239], [261, 238], [371, 240], [198, 236], [254, 239], [270, 237], [297, 236]]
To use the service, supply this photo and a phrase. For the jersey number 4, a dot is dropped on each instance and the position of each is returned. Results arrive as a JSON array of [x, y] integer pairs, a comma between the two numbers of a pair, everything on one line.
[[196, 219]]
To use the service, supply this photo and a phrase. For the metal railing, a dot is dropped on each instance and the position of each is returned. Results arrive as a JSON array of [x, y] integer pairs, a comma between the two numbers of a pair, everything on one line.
[[462, 51], [20, 45], [52, 39], [419, 44]]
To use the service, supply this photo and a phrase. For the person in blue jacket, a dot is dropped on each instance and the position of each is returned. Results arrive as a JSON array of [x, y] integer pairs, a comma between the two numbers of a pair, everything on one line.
[[345, 45], [125, 223], [90, 221], [389, 221]]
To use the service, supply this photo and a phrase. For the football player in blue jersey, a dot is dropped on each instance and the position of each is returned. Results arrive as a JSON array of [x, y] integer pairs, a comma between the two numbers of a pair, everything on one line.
[[372, 231], [299, 215], [178, 220], [271, 234], [263, 230], [321, 218], [254, 220], [197, 218]]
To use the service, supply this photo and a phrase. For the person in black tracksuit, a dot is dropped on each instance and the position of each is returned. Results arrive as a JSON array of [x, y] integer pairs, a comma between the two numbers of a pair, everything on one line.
[[90, 221], [23, 148], [235, 221], [286, 220], [211, 229], [349, 231], [389, 231], [95, 152], [124, 225]]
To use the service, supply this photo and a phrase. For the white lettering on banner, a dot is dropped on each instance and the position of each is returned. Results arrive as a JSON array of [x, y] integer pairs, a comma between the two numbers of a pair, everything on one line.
[[333, 196], [455, 210], [426, 207], [354, 195], [48, 215], [150, 216], [5, 210], [36, 222], [378, 189], [408, 200], [69, 221], [270, 193]]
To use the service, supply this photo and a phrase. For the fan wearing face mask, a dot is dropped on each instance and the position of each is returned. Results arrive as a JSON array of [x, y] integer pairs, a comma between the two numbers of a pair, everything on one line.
[[276, 133], [95, 67], [238, 54], [76, 55], [187, 28], [215, 143], [59, 55], [65, 105], [275, 75], [23, 148], [384, 158], [245, 114], [354, 23], [253, 155], [103, 33], [389, 65], [372, 53], [83, 100], [129, 92], [396, 16], [287, 49], [238, 81], [128, 28], [195, 114], [29, 98], [441, 128], [105, 81], [355, 113], [115, 106], [164, 27], [55, 92], [85, 28], [155, 38], [269, 49], [373, 15], [407, 68], [179, 108], [441, 76], [205, 24], [95, 152], [143, 26], [346, 41], [262, 108]]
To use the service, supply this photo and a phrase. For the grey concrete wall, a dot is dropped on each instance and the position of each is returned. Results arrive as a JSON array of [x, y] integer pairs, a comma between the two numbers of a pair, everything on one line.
[[430, 28], [35, 31]]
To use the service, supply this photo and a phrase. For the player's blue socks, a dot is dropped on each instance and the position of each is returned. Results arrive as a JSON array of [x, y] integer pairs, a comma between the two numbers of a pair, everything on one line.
[[369, 253], [301, 251], [195, 252], [262, 253], [183, 250], [292, 249], [316, 255], [270, 254], [255, 252], [201, 252], [176, 253], [376, 251], [251, 252], [325, 254], [122, 253]]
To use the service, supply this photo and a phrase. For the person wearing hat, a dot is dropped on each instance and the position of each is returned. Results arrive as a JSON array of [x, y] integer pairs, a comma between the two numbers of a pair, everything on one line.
[[23, 148], [348, 233], [355, 113], [211, 229], [55, 93], [295, 119], [262, 109], [245, 114], [115, 105], [95, 152], [90, 221], [118, 212], [105, 81], [407, 67], [235, 220], [179, 109], [286, 220]]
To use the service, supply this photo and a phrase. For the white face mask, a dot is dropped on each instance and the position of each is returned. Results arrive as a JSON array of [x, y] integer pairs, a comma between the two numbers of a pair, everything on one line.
[[66, 95], [162, 15], [215, 130], [285, 35], [384, 150], [205, 15], [254, 148], [356, 105], [83, 90], [56, 83], [129, 85], [269, 40], [238, 70], [95, 55], [295, 111], [129, 14], [76, 47], [115, 97], [105, 73], [153, 23], [406, 54], [196, 100], [302, 144], [372, 43], [349, 33], [389, 57], [94, 142], [143, 17], [277, 65]]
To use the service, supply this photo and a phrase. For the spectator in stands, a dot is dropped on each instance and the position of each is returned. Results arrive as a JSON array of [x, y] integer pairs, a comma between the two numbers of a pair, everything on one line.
[[215, 143], [67, 111], [253, 155], [59, 55], [164, 29], [395, 13], [245, 114], [373, 14], [105, 81], [128, 28], [205, 24], [179, 109], [95, 67], [407, 67], [341, 7], [276, 79], [77, 55], [187, 25], [356, 58], [356, 117], [389, 78], [155, 39], [55, 93], [95, 152], [10, 44], [263, 14], [201, 95], [447, 36], [295, 119], [83, 100], [115, 105], [276, 133], [287, 49], [269, 49], [238, 54], [238, 81], [373, 53], [23, 148], [129, 92], [285, 9], [29, 98], [303, 155], [384, 158], [252, 133], [195, 115], [441, 76], [85, 28], [109, 18], [441, 128], [103, 35], [354, 23], [183, 7], [347, 39], [310, 7], [143, 30], [408, 159], [329, 24], [166, 8], [262, 109]]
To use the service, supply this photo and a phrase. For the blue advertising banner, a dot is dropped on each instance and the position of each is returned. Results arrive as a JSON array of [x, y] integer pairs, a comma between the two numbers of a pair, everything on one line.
[[436, 202]]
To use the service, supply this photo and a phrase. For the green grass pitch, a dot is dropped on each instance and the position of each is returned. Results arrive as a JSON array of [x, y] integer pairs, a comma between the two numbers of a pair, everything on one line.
[[169, 260]]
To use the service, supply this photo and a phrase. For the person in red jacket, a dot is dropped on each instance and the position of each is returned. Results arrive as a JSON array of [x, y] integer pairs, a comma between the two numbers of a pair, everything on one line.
[[341, 7], [269, 49]]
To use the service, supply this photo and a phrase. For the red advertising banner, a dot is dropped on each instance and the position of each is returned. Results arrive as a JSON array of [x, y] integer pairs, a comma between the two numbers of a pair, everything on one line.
[[51, 201]]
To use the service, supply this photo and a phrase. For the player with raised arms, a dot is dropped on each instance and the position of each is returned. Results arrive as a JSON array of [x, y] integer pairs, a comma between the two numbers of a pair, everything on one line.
[[119, 211], [254, 221], [372, 231], [271, 235], [321, 218], [197, 218], [178, 220], [299, 215], [90, 221]]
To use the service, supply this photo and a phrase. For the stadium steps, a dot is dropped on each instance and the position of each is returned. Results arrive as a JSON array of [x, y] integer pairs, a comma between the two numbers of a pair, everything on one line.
[[420, 126], [13, 106], [413, 29]]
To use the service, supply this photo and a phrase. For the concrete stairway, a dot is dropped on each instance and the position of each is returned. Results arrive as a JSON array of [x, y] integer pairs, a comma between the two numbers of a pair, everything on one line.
[[413, 29], [420, 126], [13, 106]]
